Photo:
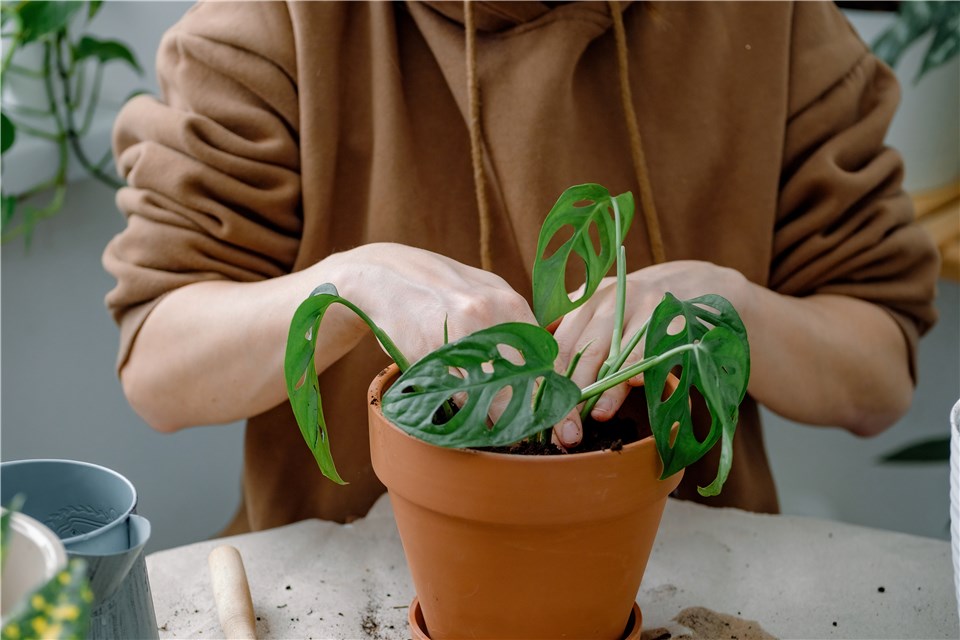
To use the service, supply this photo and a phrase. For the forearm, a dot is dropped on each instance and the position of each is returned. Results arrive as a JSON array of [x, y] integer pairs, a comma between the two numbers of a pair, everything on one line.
[[212, 352], [827, 360]]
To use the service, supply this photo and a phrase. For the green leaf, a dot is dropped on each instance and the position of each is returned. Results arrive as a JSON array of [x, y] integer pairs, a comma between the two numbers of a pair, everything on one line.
[[8, 133], [913, 20], [716, 360], [105, 51], [300, 372], [58, 609], [38, 18], [580, 209], [9, 208], [93, 7], [946, 40], [303, 387], [932, 450], [414, 400]]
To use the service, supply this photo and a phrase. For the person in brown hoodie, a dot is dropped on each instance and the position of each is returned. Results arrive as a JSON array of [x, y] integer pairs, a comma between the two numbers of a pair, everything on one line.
[[408, 152]]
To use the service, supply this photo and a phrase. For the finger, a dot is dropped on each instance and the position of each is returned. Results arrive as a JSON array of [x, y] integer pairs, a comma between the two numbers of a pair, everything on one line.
[[499, 405], [610, 402], [552, 327], [569, 432]]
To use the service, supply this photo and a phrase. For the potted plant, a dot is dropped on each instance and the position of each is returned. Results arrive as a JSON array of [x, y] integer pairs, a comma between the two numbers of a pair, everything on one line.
[[502, 545]]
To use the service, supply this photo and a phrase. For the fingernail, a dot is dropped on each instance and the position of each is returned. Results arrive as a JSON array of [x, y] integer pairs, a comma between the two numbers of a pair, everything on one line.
[[603, 406], [570, 432]]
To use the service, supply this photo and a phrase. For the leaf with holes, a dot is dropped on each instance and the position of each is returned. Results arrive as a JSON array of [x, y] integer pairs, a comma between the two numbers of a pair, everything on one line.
[[415, 398], [714, 355], [579, 208]]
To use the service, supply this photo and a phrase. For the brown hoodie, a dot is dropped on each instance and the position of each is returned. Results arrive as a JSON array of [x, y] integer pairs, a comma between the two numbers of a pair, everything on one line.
[[290, 131]]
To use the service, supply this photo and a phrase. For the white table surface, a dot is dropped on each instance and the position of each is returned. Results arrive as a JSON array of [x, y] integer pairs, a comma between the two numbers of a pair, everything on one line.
[[798, 577]]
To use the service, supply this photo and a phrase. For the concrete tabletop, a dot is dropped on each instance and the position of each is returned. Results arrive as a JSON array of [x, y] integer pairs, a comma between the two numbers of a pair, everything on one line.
[[796, 577]]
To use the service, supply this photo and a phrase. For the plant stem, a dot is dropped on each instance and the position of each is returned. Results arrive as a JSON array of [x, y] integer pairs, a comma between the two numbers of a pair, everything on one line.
[[24, 71], [615, 365], [8, 56], [94, 100], [388, 345], [37, 133], [616, 354], [614, 379], [27, 111], [73, 136]]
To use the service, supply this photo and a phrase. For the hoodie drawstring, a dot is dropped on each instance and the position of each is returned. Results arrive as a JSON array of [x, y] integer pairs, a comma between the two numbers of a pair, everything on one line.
[[654, 235], [476, 146]]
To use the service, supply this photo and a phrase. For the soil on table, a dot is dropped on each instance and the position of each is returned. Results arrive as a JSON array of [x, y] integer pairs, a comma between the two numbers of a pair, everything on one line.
[[700, 623]]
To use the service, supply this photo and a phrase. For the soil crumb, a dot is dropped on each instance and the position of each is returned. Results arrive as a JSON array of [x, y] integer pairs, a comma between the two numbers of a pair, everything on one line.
[[699, 623]]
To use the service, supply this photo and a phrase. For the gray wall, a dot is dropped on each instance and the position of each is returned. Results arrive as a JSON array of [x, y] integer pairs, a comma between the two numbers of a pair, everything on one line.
[[60, 396]]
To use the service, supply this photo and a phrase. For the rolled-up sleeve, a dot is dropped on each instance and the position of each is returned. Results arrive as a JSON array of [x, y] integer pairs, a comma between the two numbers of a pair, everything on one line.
[[844, 224], [213, 166]]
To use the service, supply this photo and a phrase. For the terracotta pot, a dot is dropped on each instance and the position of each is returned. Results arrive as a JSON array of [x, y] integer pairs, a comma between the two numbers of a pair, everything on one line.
[[508, 546], [418, 627]]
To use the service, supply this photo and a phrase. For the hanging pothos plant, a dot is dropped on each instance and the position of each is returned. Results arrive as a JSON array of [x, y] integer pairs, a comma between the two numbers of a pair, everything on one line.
[[710, 350], [55, 33], [916, 19]]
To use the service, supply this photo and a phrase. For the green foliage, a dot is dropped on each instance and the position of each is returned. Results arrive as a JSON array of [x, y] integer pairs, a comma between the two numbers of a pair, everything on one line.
[[932, 450], [105, 51], [38, 19], [579, 209], [60, 608], [711, 348], [916, 19], [300, 372], [714, 356], [8, 133], [416, 398], [71, 101]]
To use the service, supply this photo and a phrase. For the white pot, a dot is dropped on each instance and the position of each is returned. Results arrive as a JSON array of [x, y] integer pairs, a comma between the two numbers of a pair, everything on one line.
[[35, 554], [926, 128], [955, 496]]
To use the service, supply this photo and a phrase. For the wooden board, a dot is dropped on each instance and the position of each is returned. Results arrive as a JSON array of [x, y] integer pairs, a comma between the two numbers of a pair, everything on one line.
[[938, 211]]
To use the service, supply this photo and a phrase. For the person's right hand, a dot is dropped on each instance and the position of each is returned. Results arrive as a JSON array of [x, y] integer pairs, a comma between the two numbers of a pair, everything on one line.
[[410, 292]]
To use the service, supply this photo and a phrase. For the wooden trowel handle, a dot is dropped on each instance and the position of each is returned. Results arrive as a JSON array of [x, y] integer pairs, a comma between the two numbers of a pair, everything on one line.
[[232, 593]]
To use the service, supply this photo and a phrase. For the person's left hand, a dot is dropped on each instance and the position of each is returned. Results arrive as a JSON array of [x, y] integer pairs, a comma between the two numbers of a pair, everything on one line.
[[592, 323]]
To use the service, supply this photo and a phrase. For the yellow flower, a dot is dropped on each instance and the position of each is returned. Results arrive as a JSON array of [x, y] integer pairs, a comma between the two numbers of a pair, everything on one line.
[[64, 578], [54, 632], [39, 625], [12, 632], [37, 602], [66, 612]]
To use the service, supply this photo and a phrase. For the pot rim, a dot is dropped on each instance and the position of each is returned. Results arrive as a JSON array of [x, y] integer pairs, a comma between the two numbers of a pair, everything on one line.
[[386, 377], [129, 507]]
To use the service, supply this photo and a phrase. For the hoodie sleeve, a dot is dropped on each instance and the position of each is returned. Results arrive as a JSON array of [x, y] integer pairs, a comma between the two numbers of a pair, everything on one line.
[[844, 224], [213, 166]]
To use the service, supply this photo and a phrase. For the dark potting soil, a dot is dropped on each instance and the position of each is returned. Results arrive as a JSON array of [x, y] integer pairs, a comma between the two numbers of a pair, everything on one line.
[[611, 435]]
